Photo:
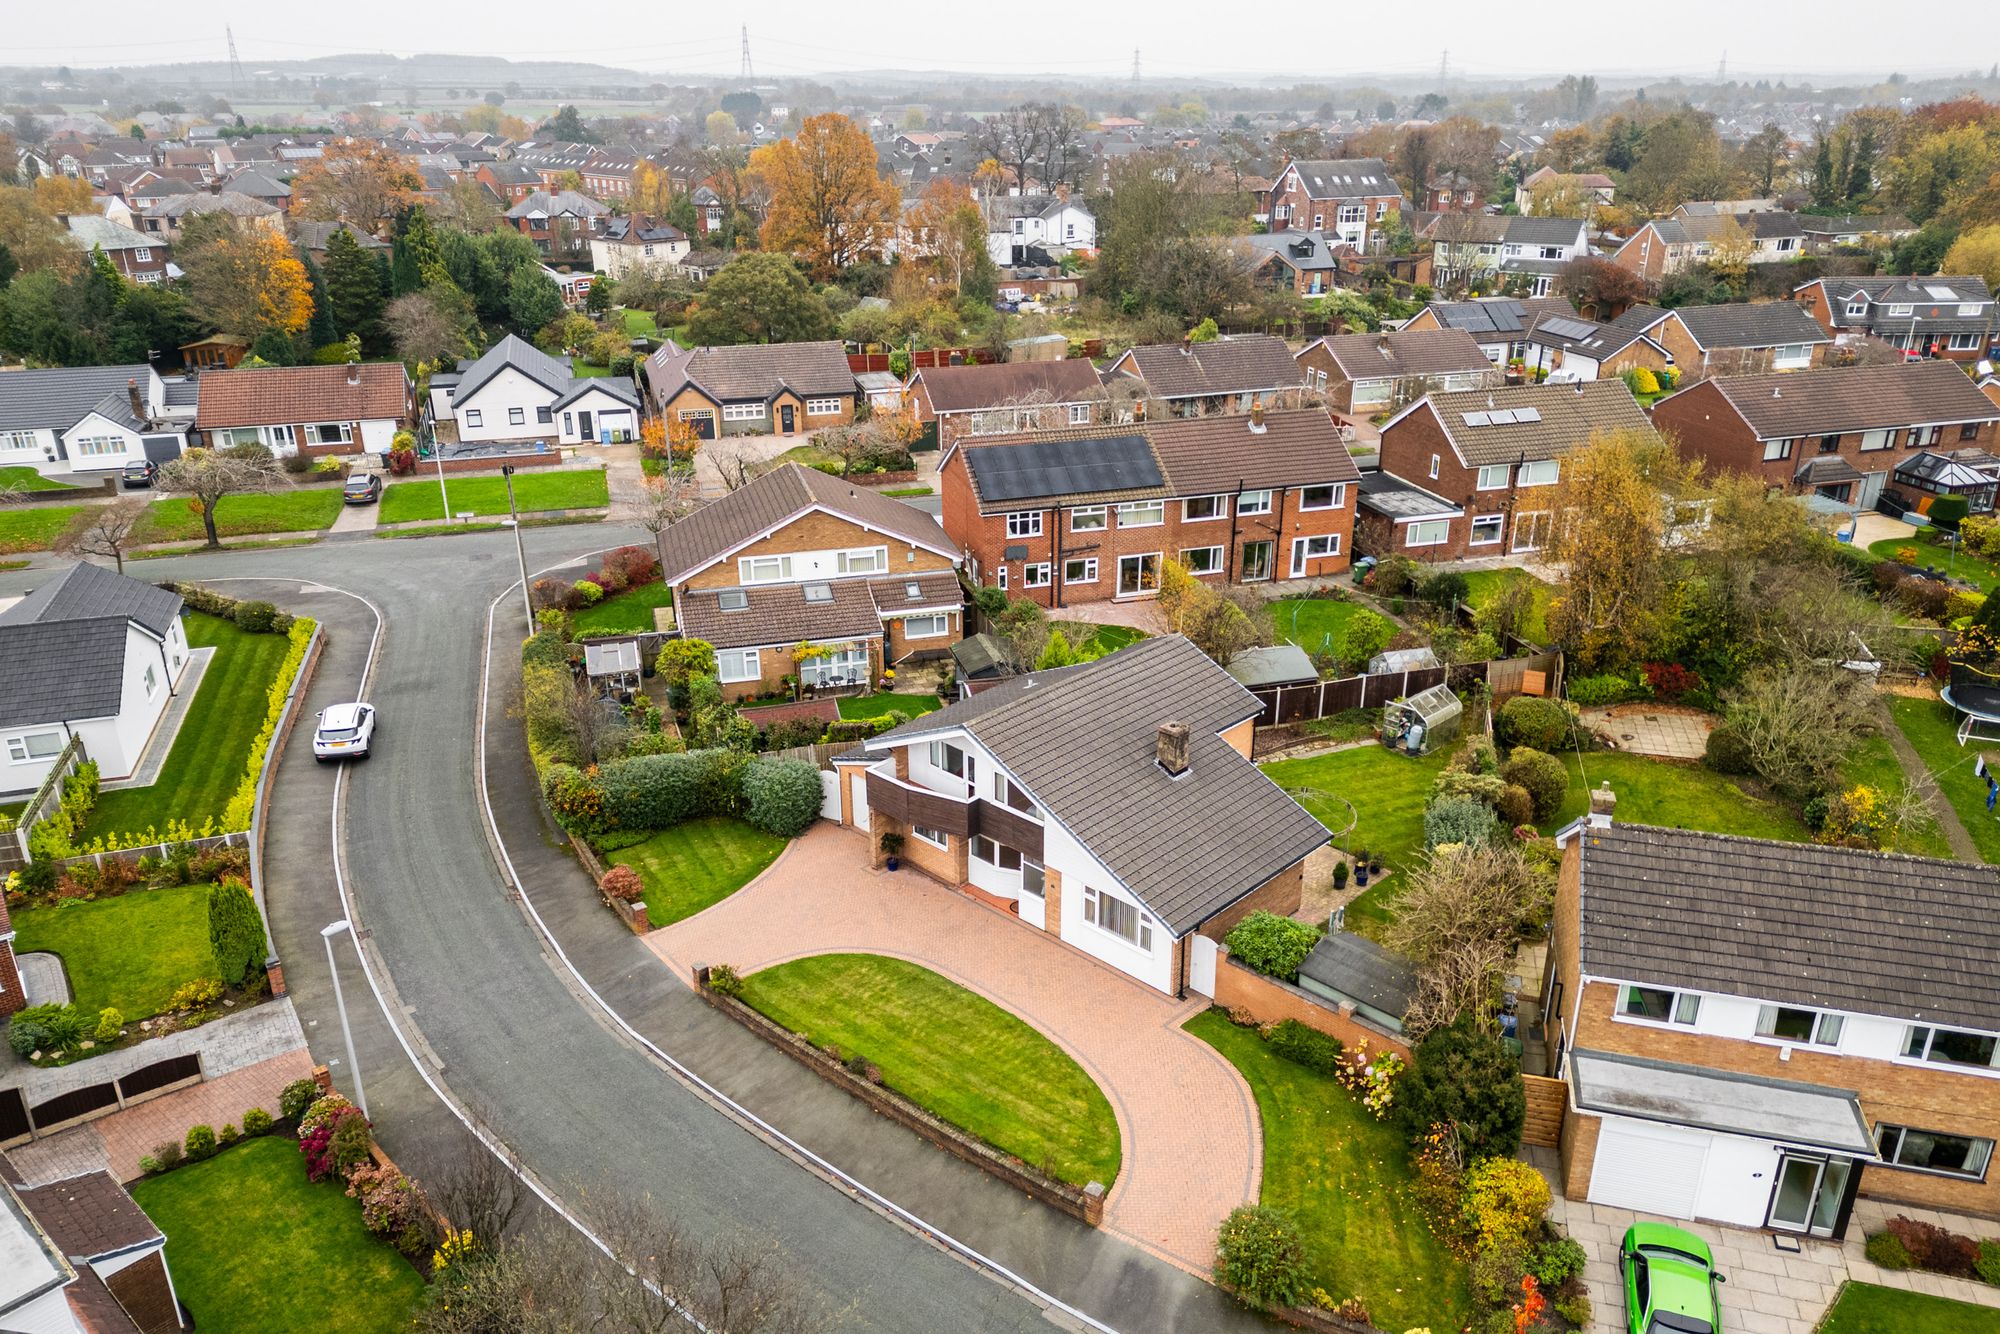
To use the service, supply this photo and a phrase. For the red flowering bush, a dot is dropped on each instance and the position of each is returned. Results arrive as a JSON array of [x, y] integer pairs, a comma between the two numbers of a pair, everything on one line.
[[622, 882], [1670, 680], [630, 567], [390, 1205]]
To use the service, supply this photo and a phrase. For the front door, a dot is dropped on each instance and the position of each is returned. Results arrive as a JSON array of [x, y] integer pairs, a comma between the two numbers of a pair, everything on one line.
[[1809, 1194], [1138, 576], [787, 421], [583, 427]]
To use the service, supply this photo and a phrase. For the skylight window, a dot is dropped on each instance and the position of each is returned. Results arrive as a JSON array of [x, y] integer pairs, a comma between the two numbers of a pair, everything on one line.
[[819, 592], [733, 599]]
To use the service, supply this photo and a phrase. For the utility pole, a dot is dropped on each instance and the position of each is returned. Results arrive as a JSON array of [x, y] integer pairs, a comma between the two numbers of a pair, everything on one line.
[[1722, 69], [745, 73], [520, 548], [1444, 68], [1135, 67]]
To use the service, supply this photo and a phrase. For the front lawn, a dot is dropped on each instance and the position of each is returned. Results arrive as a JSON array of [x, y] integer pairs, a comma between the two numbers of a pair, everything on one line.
[[1482, 586], [1315, 624], [1345, 1178], [27, 479], [305, 510], [1976, 570], [130, 952], [212, 751], [255, 1247], [698, 864], [1678, 794], [571, 489], [1863, 1308], [630, 612], [955, 1053], [34, 527], [874, 706], [1932, 729]]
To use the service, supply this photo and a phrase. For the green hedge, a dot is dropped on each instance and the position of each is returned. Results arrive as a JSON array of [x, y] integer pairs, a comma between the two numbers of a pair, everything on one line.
[[781, 796], [1273, 945], [659, 791]]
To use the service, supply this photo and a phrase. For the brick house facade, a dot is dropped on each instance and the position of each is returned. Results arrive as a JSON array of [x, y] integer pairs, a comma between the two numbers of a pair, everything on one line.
[[1005, 398], [315, 411], [1349, 199], [1234, 499], [1951, 317], [758, 389]]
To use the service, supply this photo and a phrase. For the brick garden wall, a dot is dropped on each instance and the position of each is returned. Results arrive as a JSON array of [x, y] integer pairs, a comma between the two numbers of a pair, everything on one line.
[[1272, 1001]]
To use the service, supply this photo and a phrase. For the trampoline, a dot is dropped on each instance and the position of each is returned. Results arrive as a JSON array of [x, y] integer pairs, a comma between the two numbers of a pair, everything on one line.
[[1980, 706]]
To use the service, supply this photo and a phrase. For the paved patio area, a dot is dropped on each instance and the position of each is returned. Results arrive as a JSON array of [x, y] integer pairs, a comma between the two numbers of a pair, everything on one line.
[[1192, 1143], [1139, 614], [1665, 730]]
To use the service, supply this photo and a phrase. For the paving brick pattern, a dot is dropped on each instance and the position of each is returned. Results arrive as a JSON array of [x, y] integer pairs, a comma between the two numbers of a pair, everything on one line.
[[1192, 1143], [1654, 729]]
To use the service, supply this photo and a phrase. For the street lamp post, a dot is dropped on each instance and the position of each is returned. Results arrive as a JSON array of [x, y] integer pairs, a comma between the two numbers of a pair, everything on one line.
[[327, 933], [520, 548]]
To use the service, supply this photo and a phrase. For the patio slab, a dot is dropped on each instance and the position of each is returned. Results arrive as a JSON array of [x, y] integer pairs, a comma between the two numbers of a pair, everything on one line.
[[1664, 730]]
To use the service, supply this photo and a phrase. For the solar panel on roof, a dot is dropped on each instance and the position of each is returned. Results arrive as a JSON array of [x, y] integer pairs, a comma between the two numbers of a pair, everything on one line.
[[1473, 418], [1500, 417], [1563, 328], [1527, 414], [1941, 293], [1064, 467]]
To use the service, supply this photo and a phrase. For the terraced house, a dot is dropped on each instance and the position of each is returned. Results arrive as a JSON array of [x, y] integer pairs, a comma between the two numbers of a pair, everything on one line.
[[1089, 514], [1757, 1032], [799, 557]]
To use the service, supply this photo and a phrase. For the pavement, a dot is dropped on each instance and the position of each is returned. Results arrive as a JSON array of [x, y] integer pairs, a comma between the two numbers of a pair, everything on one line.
[[505, 1031], [1665, 730], [1192, 1145]]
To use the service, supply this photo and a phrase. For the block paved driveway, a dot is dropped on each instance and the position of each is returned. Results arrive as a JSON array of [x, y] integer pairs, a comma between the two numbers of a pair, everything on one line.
[[1192, 1144]]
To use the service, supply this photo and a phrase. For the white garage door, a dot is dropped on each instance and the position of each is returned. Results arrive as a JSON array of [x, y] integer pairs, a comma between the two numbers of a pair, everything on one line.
[[1654, 1169]]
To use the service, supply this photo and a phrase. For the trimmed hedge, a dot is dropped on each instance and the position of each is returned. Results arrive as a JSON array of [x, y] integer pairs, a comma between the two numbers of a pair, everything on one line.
[[1541, 723], [658, 791], [1275, 946], [781, 796]]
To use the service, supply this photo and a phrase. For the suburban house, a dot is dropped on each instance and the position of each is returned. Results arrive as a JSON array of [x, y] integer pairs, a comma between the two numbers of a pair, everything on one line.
[[1088, 514], [137, 256], [80, 423], [1528, 251], [510, 182], [1016, 224], [1005, 397], [1221, 375], [1301, 262], [164, 219], [1499, 324], [1738, 338], [631, 245], [1363, 374], [1453, 192], [1470, 474], [82, 1258], [1969, 472], [1663, 247], [1837, 432], [561, 224], [1348, 198], [1949, 317], [797, 557], [1829, 235], [1593, 189], [1756, 1032], [1111, 804], [91, 655], [1569, 347], [515, 391], [310, 410], [754, 389]]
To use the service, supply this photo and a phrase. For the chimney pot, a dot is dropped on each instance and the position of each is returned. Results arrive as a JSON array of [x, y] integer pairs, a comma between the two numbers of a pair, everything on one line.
[[353, 373], [1603, 801], [1257, 418], [1172, 751]]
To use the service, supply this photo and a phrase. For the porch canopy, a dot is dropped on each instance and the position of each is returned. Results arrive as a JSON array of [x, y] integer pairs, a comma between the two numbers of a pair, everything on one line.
[[1733, 1104]]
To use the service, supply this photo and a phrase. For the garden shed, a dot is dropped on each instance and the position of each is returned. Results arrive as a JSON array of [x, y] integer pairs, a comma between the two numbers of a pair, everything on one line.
[[1420, 723]]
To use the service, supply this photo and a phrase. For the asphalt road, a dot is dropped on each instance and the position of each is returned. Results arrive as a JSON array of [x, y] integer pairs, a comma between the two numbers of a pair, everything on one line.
[[580, 1105]]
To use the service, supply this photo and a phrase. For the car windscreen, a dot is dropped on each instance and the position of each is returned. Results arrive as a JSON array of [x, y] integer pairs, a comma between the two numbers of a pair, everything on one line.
[[339, 733], [358, 487], [1673, 1322]]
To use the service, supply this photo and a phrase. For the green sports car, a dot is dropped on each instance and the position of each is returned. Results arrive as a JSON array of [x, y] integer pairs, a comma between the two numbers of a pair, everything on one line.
[[1670, 1282]]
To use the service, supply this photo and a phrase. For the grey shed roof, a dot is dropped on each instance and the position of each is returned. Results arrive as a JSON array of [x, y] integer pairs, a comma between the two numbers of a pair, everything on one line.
[[1361, 970], [1694, 1095], [1751, 324], [984, 655], [519, 354], [62, 647], [1276, 665], [1082, 741], [1386, 493], [57, 399], [1909, 938]]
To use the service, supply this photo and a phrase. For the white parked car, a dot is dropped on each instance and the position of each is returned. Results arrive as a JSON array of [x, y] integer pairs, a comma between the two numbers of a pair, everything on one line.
[[345, 732]]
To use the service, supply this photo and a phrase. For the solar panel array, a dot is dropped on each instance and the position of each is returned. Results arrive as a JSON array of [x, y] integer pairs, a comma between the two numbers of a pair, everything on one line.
[[1501, 417], [1563, 328], [1065, 468]]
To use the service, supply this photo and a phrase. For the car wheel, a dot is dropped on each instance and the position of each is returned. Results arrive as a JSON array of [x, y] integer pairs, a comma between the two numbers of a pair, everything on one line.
[[319, 759]]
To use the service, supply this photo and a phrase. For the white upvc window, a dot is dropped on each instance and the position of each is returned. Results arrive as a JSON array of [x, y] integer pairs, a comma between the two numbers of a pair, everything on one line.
[[330, 433], [927, 627], [473, 418], [97, 446], [1791, 1023], [32, 746], [517, 416], [937, 838], [1202, 560], [863, 560], [152, 681], [736, 664], [1493, 477], [743, 412], [764, 569], [1542, 472], [1036, 574], [1434, 467], [1791, 356], [1253, 502], [1323, 497], [1777, 449], [1142, 514], [1899, 312], [1080, 571], [1124, 920], [144, 254], [1024, 523], [1428, 533], [1308, 549], [1373, 393], [13, 440], [1487, 529], [1201, 509], [1661, 1005], [1971, 308], [1857, 308], [1934, 1151], [1000, 576], [1079, 414], [849, 665], [1088, 519], [1872, 440], [822, 407], [1964, 342], [1950, 1046]]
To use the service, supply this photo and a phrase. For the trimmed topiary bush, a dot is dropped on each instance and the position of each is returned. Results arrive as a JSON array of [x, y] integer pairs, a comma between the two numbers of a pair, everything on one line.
[[622, 882], [1275, 946], [1542, 774], [256, 1121], [1457, 820], [256, 618], [295, 1098], [1260, 1256], [200, 1143], [781, 796], [1525, 720], [1886, 1250], [1514, 806], [235, 931]]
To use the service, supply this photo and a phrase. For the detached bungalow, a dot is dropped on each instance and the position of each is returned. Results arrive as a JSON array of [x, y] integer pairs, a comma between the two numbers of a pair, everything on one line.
[[754, 389], [81, 423], [518, 392], [1734, 339], [311, 410]]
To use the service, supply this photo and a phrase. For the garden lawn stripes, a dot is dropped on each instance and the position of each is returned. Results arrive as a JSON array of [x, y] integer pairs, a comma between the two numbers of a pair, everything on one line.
[[34, 527], [254, 1247], [874, 706], [130, 952], [1678, 794], [630, 612], [1388, 791], [1315, 624], [27, 479], [212, 751], [570, 489], [1344, 1177], [1863, 1308], [698, 864], [1932, 731], [306, 510], [952, 1052]]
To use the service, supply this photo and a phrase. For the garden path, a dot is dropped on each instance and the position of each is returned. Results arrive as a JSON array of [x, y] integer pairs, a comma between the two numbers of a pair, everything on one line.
[[1915, 772], [1193, 1146]]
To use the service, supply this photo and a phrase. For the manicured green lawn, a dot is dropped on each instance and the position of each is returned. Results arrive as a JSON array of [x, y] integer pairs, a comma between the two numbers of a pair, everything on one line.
[[1314, 624], [1482, 586], [212, 751], [641, 324], [1933, 730], [1345, 1178], [1874, 763], [1387, 791], [130, 952], [34, 527], [874, 706], [630, 611], [255, 1247], [584, 370], [1112, 637], [1958, 564], [305, 510], [1864, 1308], [957, 1054], [698, 864], [27, 479], [1677, 795], [571, 489]]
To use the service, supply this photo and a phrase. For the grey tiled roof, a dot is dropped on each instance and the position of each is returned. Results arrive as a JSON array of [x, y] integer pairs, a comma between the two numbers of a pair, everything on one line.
[[1083, 741], [86, 592], [1854, 398], [1418, 352], [1751, 324], [778, 614], [57, 399], [62, 647], [1532, 230], [773, 500], [1346, 178], [1568, 415], [1222, 366], [519, 354], [754, 371], [1933, 304], [1874, 933]]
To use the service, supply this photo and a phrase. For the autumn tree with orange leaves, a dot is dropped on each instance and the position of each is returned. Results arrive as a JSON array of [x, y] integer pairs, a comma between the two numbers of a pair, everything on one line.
[[243, 278], [357, 181], [829, 206]]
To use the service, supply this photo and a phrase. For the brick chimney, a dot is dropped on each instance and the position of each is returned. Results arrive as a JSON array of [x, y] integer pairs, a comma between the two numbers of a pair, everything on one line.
[[1603, 801], [1172, 749], [1257, 418], [132, 396], [1187, 345], [353, 373]]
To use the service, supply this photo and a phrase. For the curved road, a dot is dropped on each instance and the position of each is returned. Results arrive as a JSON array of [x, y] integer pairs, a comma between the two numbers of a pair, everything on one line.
[[501, 1024]]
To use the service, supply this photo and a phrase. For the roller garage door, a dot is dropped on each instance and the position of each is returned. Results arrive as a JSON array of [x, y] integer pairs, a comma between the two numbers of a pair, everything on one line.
[[1653, 1169]]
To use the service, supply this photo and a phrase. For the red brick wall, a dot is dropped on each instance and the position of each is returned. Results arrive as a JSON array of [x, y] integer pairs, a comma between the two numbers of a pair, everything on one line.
[[1280, 894], [11, 996], [1271, 1001], [1339, 389], [1407, 449]]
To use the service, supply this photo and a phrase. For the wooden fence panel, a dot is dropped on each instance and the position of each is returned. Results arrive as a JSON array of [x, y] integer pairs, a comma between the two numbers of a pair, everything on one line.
[[152, 1078], [14, 1124], [76, 1105]]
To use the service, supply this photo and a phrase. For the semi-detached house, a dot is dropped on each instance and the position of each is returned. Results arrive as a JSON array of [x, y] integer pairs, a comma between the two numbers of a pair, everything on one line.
[[1112, 805], [1221, 375], [1737, 338], [1362, 374], [1948, 316]]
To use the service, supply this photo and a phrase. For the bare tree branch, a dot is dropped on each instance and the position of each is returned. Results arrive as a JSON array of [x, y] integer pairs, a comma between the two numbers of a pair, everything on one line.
[[107, 530]]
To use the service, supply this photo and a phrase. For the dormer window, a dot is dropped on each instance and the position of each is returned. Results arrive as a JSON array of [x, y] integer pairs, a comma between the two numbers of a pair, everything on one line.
[[1899, 312], [1858, 307]]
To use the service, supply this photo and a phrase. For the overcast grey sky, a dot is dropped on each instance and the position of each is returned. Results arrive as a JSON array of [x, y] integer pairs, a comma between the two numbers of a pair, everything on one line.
[[1176, 38]]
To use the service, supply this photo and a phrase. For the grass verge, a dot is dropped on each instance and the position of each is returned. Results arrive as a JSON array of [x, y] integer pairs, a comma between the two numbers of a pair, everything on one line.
[[306, 510], [697, 864], [571, 489], [34, 528], [1863, 1308]]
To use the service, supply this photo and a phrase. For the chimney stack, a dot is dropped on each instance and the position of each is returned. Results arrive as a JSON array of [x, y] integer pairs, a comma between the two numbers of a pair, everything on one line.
[[1187, 345], [1257, 418], [353, 373], [1172, 751], [138, 403], [1603, 801]]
